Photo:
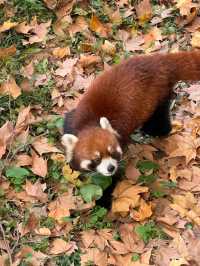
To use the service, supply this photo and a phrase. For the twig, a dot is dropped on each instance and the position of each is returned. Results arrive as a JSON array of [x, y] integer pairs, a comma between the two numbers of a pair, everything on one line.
[[6, 244]]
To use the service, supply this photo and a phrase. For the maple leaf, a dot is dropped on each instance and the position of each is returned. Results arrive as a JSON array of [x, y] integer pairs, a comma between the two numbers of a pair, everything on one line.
[[7, 25], [11, 88], [61, 52], [134, 44], [60, 246], [98, 27], [66, 67], [40, 31], [39, 165], [144, 11], [94, 255], [42, 146], [23, 160], [6, 134], [36, 190], [86, 60], [143, 212], [24, 27], [22, 119], [61, 207], [30, 225], [187, 147]]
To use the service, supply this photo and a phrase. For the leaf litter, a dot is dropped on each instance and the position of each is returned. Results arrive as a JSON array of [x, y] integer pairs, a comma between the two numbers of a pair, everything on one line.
[[50, 53]]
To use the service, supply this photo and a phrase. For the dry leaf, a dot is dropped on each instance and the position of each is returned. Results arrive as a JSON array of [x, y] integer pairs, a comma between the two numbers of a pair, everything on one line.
[[66, 67], [60, 246], [144, 11], [43, 231], [61, 52], [69, 174], [98, 27], [94, 255], [23, 119], [23, 160], [5, 52], [6, 134], [42, 146], [7, 25], [86, 60], [185, 6], [143, 213], [61, 207], [11, 88], [108, 47], [29, 226], [36, 190], [39, 165]]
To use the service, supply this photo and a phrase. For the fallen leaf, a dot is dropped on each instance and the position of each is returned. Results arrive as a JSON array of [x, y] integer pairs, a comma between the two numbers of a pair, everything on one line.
[[36, 190], [42, 146], [61, 52], [61, 207], [66, 67], [60, 246], [6, 134], [185, 6], [11, 88], [7, 25], [5, 52], [144, 11], [98, 27], [43, 231], [40, 31], [143, 213], [134, 44], [94, 255], [30, 225], [80, 25], [22, 119], [23, 160], [108, 48], [39, 165], [87, 60], [69, 174], [36, 258]]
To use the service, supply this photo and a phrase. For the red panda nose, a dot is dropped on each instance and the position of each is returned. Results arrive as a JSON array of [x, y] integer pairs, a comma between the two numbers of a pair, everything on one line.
[[111, 168]]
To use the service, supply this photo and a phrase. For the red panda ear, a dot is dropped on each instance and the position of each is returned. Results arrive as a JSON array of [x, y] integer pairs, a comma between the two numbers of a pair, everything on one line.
[[105, 124], [69, 141]]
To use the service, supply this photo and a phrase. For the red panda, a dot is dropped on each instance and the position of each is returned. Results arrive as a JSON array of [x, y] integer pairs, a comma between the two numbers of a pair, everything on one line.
[[136, 93]]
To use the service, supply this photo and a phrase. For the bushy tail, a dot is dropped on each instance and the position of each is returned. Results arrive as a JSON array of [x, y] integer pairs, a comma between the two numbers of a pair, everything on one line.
[[185, 66]]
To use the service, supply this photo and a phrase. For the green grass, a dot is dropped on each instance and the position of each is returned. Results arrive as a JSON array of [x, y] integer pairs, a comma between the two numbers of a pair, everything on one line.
[[149, 231]]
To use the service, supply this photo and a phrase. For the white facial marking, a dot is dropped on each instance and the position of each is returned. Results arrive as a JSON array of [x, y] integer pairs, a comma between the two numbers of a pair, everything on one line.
[[109, 148], [84, 164], [103, 167], [119, 149], [69, 141]]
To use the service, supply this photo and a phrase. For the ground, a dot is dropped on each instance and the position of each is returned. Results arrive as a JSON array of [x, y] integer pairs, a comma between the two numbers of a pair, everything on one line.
[[50, 51]]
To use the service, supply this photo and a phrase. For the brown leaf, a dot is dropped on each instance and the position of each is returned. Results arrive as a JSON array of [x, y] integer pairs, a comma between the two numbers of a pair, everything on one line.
[[23, 160], [61, 52], [87, 60], [185, 6], [66, 67], [195, 42], [81, 83], [132, 173], [134, 44], [144, 11], [36, 190], [108, 48], [143, 213], [7, 25], [42, 146], [43, 231], [80, 25], [5, 52], [25, 28], [40, 31], [99, 258], [60, 246], [61, 207], [6, 133], [23, 119], [98, 27], [39, 165], [11, 88], [37, 258], [30, 225]]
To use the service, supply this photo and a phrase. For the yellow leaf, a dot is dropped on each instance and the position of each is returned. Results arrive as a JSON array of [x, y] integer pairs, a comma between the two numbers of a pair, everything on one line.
[[7, 25], [98, 27], [61, 52], [178, 262], [70, 175]]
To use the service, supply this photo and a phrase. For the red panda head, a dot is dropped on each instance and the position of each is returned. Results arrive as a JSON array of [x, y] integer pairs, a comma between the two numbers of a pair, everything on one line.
[[95, 149]]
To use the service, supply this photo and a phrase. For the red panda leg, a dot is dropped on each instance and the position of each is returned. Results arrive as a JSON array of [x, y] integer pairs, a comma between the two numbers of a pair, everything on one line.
[[159, 123]]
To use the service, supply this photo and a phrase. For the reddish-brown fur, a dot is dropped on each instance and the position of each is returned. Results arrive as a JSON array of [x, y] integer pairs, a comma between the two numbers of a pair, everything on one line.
[[128, 93]]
